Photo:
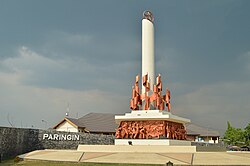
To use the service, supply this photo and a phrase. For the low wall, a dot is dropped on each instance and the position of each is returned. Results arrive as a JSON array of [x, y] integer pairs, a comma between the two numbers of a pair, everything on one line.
[[15, 141], [209, 147]]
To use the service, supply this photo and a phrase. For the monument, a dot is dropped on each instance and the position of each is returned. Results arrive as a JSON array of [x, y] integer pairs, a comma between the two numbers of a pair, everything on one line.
[[150, 121]]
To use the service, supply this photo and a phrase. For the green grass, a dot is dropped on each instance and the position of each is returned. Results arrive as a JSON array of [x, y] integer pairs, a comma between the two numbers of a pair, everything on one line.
[[53, 163]]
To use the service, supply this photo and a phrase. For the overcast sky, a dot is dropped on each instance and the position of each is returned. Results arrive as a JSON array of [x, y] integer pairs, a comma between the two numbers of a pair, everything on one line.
[[87, 54]]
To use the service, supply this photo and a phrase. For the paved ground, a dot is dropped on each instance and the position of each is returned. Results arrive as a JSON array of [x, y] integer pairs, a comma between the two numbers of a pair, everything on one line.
[[198, 158]]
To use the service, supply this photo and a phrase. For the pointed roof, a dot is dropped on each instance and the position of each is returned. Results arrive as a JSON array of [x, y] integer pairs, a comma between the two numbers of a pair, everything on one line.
[[93, 122], [72, 121], [193, 129], [99, 122]]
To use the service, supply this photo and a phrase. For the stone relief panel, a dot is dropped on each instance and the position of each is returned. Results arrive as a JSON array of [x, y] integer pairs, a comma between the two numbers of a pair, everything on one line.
[[153, 129]]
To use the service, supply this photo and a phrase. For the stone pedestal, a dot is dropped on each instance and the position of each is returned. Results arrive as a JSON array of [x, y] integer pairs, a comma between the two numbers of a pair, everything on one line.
[[150, 115], [151, 127], [169, 142]]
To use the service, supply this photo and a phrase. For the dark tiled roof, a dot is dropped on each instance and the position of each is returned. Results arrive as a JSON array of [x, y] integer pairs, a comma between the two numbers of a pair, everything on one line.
[[98, 122], [76, 122], [193, 129]]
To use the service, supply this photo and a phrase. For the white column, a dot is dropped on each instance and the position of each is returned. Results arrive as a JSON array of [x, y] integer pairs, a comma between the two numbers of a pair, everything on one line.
[[148, 51]]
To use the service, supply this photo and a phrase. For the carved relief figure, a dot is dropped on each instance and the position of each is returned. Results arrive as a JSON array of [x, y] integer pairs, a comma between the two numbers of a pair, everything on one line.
[[173, 131], [168, 132], [150, 129]]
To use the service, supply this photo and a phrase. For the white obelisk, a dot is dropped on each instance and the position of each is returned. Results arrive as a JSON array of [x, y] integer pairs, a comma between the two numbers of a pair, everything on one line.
[[148, 65]]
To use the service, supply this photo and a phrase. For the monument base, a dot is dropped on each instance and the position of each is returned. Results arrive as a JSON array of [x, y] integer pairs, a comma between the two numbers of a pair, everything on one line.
[[136, 149], [150, 115], [149, 125], [170, 142]]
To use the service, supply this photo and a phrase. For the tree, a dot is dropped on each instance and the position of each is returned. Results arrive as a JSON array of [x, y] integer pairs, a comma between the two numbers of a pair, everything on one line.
[[247, 134], [234, 136]]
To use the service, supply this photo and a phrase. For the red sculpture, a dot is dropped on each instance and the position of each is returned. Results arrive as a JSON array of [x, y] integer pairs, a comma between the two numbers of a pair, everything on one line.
[[156, 99], [151, 129]]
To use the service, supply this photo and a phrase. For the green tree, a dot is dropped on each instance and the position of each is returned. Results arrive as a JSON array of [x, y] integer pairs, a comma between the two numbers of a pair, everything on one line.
[[247, 134], [234, 136]]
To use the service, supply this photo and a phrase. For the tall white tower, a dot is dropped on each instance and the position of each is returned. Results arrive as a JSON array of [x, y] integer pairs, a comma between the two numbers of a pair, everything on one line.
[[148, 61], [148, 121]]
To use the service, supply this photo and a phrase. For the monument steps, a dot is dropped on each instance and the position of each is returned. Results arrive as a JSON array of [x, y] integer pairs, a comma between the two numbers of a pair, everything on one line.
[[137, 148]]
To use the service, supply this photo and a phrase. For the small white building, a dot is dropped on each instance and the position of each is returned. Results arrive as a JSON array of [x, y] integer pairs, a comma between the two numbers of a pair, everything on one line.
[[197, 133], [98, 123], [69, 125]]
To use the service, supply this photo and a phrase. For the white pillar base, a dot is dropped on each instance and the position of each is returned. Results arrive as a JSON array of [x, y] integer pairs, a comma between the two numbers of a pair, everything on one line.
[[152, 142]]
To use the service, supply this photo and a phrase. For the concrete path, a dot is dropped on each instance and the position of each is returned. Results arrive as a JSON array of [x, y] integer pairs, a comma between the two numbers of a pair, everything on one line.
[[54, 155], [198, 158]]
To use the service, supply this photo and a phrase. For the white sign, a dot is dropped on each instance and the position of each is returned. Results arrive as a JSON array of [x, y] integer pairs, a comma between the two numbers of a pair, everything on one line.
[[61, 137]]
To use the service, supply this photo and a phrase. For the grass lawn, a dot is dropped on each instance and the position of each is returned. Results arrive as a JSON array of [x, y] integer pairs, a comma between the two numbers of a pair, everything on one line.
[[52, 163]]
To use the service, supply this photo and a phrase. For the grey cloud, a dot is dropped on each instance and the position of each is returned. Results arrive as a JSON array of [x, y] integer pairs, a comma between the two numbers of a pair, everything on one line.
[[201, 48], [92, 48], [50, 103], [76, 74], [216, 104]]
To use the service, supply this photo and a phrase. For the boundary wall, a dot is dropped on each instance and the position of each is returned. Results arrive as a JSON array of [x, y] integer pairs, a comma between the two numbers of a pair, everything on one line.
[[16, 141]]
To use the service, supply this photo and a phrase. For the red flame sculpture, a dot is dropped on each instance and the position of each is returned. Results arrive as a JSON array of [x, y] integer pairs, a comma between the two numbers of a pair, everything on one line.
[[155, 100]]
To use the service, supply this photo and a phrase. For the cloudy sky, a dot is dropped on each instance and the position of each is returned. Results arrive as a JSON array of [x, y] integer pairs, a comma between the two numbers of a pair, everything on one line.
[[87, 53]]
